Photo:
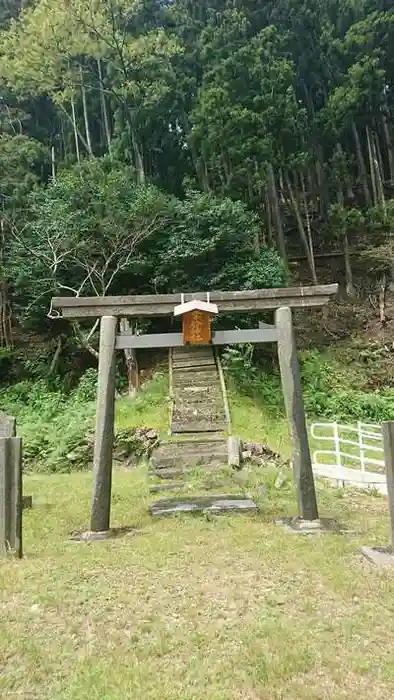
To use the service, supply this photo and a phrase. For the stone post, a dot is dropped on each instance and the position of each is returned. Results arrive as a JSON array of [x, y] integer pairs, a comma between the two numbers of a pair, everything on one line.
[[104, 436], [11, 496], [291, 384], [388, 441]]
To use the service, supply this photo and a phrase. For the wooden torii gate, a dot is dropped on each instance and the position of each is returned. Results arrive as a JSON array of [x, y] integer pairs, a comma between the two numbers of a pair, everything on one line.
[[110, 308]]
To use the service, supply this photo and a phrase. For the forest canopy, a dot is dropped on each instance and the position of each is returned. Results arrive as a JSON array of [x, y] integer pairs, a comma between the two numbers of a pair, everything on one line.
[[157, 146]]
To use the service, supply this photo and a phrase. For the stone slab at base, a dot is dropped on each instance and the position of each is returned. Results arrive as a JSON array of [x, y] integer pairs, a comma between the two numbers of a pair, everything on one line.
[[380, 556], [309, 527], [203, 504], [90, 536]]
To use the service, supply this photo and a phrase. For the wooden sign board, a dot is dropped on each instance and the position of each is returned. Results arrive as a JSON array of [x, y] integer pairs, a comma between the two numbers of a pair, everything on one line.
[[196, 328]]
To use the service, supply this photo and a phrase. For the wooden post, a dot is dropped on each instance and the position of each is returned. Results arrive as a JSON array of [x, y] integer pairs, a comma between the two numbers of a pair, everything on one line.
[[7, 425], [291, 384], [388, 441], [11, 496], [104, 436]]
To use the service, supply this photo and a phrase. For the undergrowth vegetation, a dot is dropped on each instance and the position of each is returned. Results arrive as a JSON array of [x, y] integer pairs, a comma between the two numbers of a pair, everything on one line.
[[355, 384], [51, 421], [57, 426], [352, 383]]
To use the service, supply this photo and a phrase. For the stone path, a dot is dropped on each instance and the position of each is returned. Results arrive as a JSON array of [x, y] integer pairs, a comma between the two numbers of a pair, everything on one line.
[[199, 426], [199, 504], [198, 404]]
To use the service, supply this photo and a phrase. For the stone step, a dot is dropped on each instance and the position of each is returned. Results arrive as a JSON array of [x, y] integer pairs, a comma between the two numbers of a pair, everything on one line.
[[203, 504], [190, 457], [169, 473], [202, 426], [209, 410], [191, 362], [195, 378], [192, 460], [192, 439], [190, 351], [197, 443], [198, 399], [174, 486], [206, 408], [203, 391]]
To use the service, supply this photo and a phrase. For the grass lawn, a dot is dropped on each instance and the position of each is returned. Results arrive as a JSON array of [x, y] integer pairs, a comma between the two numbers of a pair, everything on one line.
[[220, 608]]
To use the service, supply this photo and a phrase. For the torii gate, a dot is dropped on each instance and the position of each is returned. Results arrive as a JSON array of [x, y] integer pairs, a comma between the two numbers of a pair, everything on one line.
[[110, 308]]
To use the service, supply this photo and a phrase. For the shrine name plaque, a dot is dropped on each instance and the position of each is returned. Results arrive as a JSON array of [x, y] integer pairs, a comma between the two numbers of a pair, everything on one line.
[[196, 327]]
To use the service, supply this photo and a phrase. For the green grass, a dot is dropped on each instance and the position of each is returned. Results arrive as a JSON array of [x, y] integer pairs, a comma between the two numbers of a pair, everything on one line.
[[252, 423], [225, 608], [196, 608], [149, 408]]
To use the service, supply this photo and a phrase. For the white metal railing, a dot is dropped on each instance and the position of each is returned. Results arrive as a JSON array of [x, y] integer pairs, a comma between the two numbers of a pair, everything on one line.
[[355, 451]]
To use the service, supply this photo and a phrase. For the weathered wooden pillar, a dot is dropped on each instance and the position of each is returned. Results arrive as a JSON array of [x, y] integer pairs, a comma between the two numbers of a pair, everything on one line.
[[388, 441], [104, 437], [291, 383], [11, 496]]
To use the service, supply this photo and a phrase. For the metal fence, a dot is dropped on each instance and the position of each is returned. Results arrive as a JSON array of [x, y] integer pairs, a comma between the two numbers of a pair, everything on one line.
[[352, 454]]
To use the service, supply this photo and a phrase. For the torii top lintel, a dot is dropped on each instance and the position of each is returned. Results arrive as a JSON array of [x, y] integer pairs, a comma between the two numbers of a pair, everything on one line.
[[163, 304]]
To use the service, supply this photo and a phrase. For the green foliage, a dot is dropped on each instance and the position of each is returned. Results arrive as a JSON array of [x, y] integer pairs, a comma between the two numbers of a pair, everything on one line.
[[342, 221], [333, 392], [58, 426], [95, 232], [330, 390], [22, 161], [263, 385], [208, 244], [51, 422]]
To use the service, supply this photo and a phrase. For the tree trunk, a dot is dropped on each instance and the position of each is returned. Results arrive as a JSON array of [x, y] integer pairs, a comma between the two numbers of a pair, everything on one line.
[[382, 301], [56, 356], [77, 133], [86, 115], [256, 243], [379, 158], [301, 229], [5, 310], [53, 164], [269, 217], [322, 183], [378, 179], [350, 289], [197, 160], [281, 188], [362, 170], [372, 167], [138, 159], [74, 122], [313, 190], [309, 230], [104, 112], [389, 146], [273, 197], [63, 139], [131, 362], [80, 336]]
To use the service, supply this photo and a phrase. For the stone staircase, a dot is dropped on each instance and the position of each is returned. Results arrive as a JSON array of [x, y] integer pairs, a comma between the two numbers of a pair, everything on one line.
[[197, 392], [199, 430]]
